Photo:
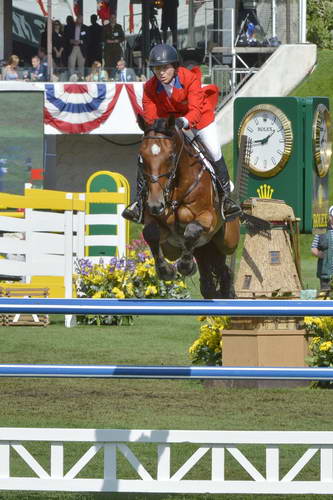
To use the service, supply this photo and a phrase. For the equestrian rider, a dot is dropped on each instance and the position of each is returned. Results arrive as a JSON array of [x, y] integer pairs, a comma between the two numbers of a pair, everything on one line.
[[175, 89]]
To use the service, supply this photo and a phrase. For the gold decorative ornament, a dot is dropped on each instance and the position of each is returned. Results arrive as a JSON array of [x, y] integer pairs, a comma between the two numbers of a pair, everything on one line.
[[322, 139], [271, 136], [265, 191]]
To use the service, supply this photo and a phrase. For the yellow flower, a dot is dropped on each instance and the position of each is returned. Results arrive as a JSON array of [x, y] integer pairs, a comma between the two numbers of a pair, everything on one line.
[[97, 279], [152, 272], [326, 346], [98, 295], [119, 294], [151, 290]]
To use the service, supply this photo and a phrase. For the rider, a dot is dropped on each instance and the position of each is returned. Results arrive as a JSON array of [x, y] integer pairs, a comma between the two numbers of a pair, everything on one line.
[[174, 89]]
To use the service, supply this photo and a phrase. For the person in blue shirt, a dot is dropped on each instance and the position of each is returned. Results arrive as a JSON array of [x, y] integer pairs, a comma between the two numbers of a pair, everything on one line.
[[38, 72]]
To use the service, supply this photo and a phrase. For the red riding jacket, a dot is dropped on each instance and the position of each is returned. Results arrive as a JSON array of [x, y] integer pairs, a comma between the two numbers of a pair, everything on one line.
[[188, 99]]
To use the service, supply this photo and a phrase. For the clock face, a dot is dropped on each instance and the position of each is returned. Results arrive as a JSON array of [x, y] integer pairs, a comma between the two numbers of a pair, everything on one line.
[[270, 136], [322, 141]]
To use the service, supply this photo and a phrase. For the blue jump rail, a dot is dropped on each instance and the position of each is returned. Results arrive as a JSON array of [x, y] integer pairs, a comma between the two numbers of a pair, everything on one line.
[[164, 372], [169, 307]]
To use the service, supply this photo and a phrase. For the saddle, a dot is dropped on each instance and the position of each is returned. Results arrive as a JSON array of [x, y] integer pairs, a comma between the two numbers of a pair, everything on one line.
[[206, 160]]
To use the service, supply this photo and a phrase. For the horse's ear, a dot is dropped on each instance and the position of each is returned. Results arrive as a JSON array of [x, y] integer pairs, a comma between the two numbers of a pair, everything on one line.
[[141, 122], [171, 121]]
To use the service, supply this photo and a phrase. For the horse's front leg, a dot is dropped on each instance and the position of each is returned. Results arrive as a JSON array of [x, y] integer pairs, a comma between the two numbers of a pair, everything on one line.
[[151, 234], [186, 264]]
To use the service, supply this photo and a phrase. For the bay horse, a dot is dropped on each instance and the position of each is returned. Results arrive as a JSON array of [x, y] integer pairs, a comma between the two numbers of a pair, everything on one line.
[[182, 217]]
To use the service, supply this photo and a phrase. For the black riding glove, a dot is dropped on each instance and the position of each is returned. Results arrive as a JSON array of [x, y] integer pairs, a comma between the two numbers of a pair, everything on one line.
[[180, 123]]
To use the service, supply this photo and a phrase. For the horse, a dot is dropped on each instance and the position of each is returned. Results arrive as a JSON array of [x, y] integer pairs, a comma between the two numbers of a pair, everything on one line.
[[182, 217]]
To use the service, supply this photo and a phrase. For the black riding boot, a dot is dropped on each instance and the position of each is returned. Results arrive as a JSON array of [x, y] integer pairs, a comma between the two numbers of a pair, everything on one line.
[[134, 211], [230, 210]]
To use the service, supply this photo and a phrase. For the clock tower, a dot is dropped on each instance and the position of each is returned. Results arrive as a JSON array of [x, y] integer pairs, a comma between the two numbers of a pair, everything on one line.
[[290, 152]]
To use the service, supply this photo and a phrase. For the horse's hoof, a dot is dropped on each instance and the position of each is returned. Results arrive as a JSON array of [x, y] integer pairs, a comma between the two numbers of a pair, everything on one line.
[[167, 273], [186, 268]]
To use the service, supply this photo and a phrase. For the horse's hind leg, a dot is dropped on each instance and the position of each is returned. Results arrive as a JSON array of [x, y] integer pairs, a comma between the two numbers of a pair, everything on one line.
[[216, 281], [151, 234], [186, 265], [208, 283]]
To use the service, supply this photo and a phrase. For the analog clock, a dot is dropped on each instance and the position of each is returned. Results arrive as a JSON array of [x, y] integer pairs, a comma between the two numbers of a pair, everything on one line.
[[322, 139], [271, 139]]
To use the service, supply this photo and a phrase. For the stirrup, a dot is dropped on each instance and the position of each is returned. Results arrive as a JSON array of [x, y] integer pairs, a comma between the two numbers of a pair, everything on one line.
[[133, 213], [231, 210]]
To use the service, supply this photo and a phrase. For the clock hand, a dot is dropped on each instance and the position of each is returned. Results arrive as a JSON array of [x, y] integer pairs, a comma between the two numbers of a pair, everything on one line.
[[265, 141]]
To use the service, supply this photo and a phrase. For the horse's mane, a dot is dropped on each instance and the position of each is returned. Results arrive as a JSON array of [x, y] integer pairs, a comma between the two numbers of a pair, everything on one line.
[[160, 126]]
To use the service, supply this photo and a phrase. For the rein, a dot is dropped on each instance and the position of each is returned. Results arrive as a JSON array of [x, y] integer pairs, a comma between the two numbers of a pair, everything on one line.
[[167, 191]]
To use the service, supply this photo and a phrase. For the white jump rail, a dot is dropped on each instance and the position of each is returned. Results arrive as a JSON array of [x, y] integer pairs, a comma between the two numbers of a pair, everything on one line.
[[161, 477]]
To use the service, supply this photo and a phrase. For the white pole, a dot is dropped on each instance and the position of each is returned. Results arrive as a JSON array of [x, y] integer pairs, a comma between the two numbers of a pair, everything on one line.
[[273, 18], [49, 40], [191, 16], [302, 21], [233, 51]]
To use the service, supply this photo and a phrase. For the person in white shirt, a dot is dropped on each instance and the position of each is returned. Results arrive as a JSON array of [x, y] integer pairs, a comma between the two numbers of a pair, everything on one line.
[[124, 74]]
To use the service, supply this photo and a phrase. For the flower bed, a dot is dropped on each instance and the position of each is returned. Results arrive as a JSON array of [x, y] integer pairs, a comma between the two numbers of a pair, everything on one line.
[[207, 349], [126, 278], [321, 344]]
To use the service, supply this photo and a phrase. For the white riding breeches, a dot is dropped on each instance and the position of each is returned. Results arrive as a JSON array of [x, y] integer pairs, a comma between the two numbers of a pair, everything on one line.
[[209, 137]]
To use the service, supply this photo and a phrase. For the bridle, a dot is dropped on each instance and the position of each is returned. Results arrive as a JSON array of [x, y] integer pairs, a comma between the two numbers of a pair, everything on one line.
[[171, 174]]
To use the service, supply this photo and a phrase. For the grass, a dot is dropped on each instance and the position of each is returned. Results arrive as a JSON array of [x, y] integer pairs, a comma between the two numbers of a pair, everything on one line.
[[155, 404]]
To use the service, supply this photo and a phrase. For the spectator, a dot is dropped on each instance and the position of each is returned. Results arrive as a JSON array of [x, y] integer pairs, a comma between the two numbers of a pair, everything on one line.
[[322, 248], [43, 38], [67, 46], [169, 20], [42, 54], [58, 44], [10, 71], [113, 36], [78, 41], [38, 72], [95, 41], [124, 74], [97, 73]]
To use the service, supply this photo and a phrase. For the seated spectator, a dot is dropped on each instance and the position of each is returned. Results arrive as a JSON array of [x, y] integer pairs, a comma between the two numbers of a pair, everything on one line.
[[38, 72], [58, 44], [124, 74], [10, 71], [97, 73], [76, 77]]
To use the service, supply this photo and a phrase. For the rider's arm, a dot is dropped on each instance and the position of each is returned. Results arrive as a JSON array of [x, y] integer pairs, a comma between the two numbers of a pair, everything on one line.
[[195, 97]]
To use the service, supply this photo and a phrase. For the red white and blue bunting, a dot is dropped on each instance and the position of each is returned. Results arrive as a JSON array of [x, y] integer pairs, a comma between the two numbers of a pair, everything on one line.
[[81, 108]]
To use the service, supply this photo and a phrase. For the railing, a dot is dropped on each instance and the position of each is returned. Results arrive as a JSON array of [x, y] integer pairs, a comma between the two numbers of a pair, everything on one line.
[[166, 475], [144, 307]]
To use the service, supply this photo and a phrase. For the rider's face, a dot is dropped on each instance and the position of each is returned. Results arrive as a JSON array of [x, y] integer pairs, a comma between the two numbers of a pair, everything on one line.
[[165, 73]]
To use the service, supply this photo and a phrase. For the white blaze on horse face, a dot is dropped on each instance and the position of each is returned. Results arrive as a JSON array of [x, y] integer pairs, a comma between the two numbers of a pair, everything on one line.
[[155, 149]]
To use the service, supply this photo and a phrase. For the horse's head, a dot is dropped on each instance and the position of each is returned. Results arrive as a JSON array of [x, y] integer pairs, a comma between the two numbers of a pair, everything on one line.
[[158, 153]]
